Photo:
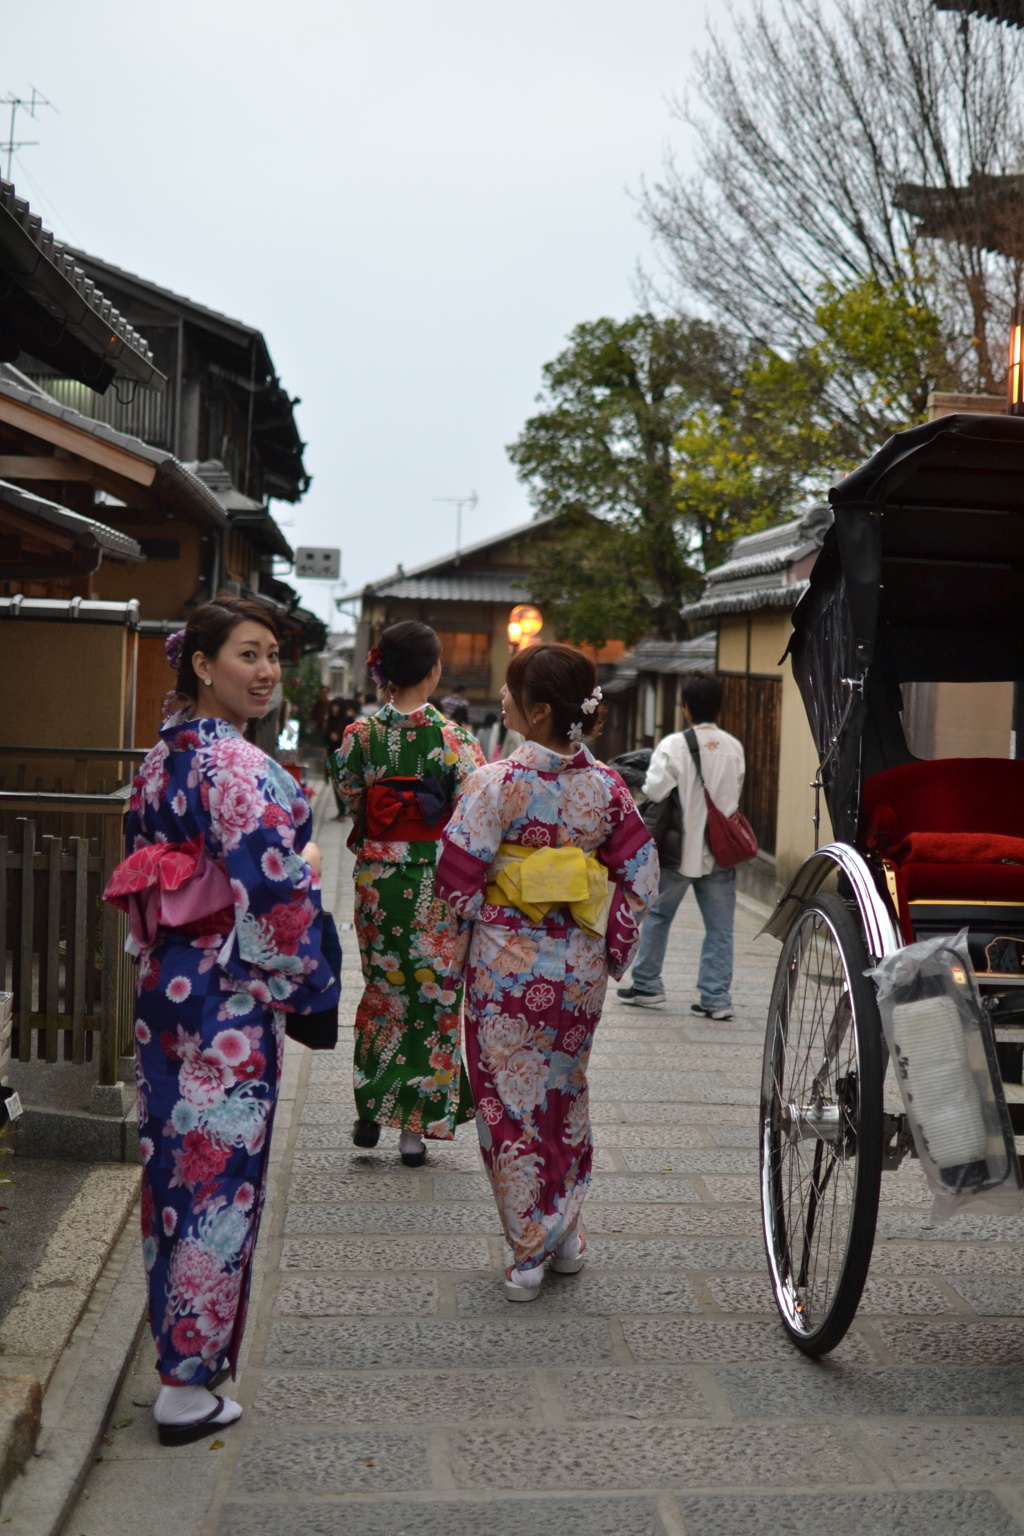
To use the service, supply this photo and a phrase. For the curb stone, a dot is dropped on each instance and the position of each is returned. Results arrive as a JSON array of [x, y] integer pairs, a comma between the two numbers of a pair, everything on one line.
[[82, 1391], [39, 1326], [20, 1407]]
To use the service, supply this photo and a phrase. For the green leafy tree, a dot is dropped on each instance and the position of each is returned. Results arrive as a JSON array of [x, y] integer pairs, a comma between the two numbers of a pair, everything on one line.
[[600, 456], [791, 424], [301, 687]]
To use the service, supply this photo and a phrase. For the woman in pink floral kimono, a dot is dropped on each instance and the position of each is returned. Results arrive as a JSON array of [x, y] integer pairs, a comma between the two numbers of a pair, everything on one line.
[[222, 886], [549, 859]]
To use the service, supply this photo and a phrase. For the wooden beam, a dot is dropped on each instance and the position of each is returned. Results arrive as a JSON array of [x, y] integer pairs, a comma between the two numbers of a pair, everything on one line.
[[55, 430], [25, 466], [48, 536]]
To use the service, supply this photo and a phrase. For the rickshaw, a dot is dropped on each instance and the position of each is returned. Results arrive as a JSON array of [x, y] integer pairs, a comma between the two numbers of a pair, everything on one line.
[[920, 579]]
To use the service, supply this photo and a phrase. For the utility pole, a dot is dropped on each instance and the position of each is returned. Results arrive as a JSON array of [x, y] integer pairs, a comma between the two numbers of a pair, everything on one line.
[[26, 104], [458, 502]]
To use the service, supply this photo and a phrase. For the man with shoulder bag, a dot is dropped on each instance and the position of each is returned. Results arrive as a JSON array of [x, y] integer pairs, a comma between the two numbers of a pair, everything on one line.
[[700, 769]]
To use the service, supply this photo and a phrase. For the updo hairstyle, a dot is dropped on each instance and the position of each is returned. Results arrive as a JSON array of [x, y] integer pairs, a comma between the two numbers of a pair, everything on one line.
[[209, 626], [406, 652], [560, 676]]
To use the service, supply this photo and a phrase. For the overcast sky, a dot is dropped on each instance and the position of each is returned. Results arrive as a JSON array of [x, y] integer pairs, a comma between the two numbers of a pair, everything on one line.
[[415, 200]]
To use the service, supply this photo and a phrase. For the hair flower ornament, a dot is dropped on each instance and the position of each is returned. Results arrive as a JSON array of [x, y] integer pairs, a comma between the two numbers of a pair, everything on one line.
[[375, 669], [172, 649], [591, 702]]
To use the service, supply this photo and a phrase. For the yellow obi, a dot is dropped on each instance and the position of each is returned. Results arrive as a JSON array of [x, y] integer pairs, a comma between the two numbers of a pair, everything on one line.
[[536, 880]]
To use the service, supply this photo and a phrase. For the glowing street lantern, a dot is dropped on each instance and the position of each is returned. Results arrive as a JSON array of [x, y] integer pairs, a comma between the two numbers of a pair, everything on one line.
[[524, 625], [1014, 382]]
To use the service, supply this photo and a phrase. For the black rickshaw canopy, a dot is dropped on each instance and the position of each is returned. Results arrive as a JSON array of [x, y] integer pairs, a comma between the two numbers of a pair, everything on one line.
[[920, 578]]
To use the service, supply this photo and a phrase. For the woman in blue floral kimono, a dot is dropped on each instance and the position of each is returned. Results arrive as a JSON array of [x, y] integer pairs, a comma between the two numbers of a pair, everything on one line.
[[548, 857], [222, 886]]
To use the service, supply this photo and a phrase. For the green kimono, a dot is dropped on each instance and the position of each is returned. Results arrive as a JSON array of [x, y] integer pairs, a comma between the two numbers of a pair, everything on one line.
[[408, 1061]]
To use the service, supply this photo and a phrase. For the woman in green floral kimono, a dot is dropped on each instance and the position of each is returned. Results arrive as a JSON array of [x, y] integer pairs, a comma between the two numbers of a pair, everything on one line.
[[400, 772]]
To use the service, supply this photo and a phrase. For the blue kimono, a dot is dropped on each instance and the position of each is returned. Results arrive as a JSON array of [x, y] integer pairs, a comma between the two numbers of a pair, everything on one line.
[[210, 1029]]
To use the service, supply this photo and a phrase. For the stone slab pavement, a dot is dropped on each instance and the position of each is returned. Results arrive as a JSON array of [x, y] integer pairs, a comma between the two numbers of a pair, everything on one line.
[[390, 1390]]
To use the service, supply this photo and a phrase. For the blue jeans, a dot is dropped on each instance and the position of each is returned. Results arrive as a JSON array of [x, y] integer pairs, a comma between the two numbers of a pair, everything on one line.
[[716, 898]]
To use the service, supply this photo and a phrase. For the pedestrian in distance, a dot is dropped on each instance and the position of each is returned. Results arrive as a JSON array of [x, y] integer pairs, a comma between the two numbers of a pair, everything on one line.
[[548, 860], [673, 771], [399, 772], [338, 718], [460, 716], [455, 700], [221, 884], [321, 709]]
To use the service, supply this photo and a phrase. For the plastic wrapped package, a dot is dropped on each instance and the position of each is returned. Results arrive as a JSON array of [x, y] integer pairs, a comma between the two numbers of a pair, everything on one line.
[[943, 1053]]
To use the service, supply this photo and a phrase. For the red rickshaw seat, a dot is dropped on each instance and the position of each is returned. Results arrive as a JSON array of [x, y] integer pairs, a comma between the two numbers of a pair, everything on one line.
[[951, 795]]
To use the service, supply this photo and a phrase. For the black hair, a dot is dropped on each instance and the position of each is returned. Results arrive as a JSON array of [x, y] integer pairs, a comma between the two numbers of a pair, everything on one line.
[[701, 692], [408, 651], [460, 714]]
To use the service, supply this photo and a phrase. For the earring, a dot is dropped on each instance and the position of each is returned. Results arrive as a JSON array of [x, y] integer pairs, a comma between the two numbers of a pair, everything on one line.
[[208, 681]]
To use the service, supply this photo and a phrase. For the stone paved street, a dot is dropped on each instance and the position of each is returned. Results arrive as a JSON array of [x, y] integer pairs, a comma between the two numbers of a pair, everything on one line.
[[392, 1391]]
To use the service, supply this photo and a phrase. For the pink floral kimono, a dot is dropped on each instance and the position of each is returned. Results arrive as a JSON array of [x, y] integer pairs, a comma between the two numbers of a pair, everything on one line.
[[535, 985]]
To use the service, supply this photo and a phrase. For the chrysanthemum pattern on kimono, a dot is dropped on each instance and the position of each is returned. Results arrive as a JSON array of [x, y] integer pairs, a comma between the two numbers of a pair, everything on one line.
[[209, 1030], [408, 1064], [534, 992]]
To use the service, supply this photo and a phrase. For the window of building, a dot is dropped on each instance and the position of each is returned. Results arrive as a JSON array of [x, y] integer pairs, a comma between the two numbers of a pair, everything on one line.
[[465, 657]]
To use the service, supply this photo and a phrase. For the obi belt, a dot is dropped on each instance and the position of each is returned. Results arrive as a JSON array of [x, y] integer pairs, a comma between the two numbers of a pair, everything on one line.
[[537, 880], [171, 885], [406, 810]]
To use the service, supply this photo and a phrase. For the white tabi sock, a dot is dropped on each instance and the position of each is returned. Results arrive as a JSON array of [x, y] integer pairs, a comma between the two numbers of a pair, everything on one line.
[[187, 1405], [410, 1141], [529, 1279], [569, 1247]]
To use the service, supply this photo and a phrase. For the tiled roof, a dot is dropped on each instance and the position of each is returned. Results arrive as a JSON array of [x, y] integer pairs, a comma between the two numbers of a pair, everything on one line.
[[253, 517], [85, 532], [454, 587], [95, 610], [759, 570], [452, 566], [44, 268], [1010, 11], [675, 657], [182, 483]]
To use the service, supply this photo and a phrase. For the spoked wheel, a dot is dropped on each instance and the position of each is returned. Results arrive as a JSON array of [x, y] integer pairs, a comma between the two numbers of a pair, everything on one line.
[[821, 1125]]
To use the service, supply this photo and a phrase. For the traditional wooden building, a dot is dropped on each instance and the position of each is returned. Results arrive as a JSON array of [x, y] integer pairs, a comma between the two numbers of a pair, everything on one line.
[[467, 597], [748, 599], [181, 474], [642, 691]]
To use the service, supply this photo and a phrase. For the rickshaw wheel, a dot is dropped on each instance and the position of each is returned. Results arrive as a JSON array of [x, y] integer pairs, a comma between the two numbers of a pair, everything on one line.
[[821, 1125]]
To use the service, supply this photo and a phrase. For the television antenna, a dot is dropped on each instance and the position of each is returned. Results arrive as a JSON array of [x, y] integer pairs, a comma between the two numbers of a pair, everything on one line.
[[24, 104], [458, 502]]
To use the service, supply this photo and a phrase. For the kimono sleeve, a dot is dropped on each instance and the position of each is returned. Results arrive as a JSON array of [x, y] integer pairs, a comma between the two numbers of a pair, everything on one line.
[[631, 858], [260, 821], [468, 756], [470, 842], [346, 766]]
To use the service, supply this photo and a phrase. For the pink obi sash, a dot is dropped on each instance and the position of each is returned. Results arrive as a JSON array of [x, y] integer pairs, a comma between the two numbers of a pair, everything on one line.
[[171, 885]]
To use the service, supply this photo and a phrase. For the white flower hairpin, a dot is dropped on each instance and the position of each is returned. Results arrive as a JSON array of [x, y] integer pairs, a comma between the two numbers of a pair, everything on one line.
[[588, 707]]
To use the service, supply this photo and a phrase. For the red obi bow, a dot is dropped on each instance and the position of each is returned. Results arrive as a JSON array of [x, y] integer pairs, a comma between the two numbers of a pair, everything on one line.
[[406, 810], [170, 885]]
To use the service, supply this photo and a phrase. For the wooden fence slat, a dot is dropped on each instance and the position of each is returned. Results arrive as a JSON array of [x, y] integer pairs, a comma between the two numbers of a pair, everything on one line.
[[3, 914], [50, 948], [111, 850], [25, 968], [78, 949]]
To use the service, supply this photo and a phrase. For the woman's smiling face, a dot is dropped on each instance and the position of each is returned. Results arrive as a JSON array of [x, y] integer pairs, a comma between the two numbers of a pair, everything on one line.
[[238, 682]]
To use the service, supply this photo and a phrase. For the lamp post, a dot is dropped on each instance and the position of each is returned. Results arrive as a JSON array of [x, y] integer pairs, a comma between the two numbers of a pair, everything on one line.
[[524, 625], [1015, 376]]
